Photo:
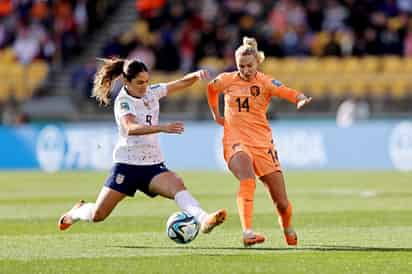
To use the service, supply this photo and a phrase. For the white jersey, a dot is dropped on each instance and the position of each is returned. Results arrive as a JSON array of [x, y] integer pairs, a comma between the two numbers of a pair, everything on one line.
[[138, 149]]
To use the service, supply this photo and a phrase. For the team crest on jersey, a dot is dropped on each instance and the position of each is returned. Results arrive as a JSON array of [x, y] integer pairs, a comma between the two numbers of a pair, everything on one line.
[[235, 146], [276, 83], [119, 179], [255, 91]]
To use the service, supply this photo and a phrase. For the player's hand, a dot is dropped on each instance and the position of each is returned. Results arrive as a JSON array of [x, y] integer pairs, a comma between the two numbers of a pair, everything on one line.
[[303, 101], [202, 74], [175, 127]]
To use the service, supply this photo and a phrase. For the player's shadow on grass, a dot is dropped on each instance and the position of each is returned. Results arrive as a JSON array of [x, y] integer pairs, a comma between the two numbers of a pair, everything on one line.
[[300, 248]]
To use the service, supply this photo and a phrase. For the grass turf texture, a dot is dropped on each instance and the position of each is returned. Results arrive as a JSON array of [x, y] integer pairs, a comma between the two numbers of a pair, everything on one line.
[[348, 222]]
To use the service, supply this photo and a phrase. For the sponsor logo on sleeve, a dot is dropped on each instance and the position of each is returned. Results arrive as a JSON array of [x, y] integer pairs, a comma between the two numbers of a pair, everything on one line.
[[276, 83], [124, 106], [154, 86]]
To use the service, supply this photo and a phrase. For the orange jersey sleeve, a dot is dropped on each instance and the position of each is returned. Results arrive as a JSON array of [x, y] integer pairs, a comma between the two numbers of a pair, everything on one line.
[[277, 89], [212, 96], [214, 88], [218, 83]]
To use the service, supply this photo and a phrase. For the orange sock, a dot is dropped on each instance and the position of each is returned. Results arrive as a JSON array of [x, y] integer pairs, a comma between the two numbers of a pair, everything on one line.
[[286, 216], [245, 202]]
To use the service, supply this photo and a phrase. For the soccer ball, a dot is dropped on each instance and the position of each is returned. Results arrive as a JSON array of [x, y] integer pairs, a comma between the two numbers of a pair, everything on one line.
[[182, 227]]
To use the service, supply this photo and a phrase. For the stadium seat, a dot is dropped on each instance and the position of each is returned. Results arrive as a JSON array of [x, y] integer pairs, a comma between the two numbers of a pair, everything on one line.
[[377, 85], [358, 86], [369, 64], [310, 65], [213, 64], [36, 73], [407, 62], [338, 87], [271, 66], [392, 64], [400, 87], [5, 87], [198, 90], [18, 76], [7, 56], [351, 65], [331, 65], [316, 88], [290, 65]]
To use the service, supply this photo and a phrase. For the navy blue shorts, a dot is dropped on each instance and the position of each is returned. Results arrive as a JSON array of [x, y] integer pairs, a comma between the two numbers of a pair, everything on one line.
[[128, 179]]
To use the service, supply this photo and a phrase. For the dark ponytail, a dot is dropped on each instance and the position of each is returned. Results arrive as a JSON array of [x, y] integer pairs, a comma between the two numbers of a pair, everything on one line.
[[111, 69]]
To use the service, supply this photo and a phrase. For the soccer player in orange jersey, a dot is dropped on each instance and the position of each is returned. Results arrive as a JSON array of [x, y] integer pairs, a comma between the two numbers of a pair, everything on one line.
[[247, 141]]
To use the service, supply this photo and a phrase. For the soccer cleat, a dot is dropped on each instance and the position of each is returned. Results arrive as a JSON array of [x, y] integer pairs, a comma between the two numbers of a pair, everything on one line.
[[212, 220], [65, 220], [291, 237], [252, 238]]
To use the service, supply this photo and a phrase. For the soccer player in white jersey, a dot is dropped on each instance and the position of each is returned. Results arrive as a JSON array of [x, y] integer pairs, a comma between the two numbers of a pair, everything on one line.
[[138, 161]]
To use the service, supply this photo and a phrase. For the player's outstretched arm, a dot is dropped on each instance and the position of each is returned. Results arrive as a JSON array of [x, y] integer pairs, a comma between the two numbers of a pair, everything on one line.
[[279, 90], [187, 80], [133, 128]]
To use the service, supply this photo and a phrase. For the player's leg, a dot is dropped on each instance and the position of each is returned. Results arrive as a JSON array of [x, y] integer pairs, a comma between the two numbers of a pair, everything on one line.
[[169, 185], [119, 184], [276, 187], [92, 212], [241, 165]]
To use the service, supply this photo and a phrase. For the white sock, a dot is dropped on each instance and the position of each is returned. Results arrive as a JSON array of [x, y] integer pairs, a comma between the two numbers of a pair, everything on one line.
[[248, 233], [187, 203], [84, 213]]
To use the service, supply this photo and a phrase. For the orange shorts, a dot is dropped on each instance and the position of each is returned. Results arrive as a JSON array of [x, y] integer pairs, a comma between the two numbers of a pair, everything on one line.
[[265, 159]]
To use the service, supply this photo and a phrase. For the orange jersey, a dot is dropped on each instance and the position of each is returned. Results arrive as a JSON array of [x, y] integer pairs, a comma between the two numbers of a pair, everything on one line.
[[246, 103]]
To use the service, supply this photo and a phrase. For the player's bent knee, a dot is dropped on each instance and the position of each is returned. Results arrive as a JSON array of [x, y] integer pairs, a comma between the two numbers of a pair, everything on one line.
[[179, 184]]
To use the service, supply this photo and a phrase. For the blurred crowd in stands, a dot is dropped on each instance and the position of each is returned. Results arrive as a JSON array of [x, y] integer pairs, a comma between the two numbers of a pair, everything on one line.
[[184, 32], [180, 36], [36, 35], [177, 36], [50, 30]]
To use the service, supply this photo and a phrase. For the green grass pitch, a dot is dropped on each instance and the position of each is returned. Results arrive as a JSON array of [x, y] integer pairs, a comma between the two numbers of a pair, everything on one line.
[[348, 222]]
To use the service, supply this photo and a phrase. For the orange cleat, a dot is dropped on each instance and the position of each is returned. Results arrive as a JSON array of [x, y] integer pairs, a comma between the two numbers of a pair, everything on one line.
[[65, 220], [214, 219], [290, 234], [252, 239]]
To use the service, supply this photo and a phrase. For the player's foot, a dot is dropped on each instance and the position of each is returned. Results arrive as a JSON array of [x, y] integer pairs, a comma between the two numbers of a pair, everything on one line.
[[251, 238], [290, 234], [65, 220], [212, 220]]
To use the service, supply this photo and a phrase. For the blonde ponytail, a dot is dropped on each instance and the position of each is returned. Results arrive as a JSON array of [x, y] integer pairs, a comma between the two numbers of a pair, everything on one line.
[[248, 47]]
